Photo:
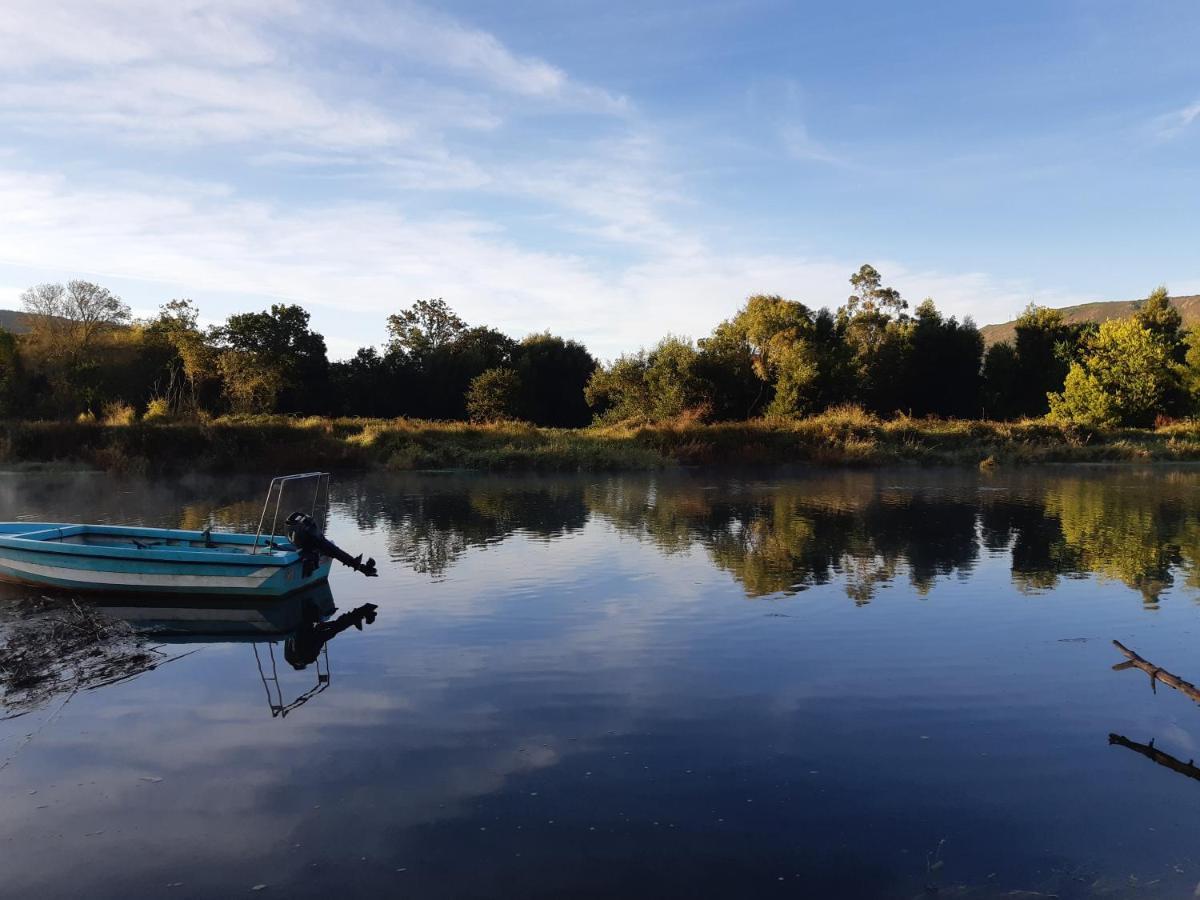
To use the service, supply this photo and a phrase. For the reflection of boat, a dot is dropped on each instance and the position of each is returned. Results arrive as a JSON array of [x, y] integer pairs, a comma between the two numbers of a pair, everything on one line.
[[218, 617], [79, 646], [158, 560]]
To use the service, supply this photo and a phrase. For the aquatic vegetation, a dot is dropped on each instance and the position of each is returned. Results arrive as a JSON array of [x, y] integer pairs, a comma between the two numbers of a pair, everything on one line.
[[48, 649]]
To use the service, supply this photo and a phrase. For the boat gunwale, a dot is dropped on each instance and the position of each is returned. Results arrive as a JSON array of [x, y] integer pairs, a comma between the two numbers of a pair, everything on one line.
[[30, 542]]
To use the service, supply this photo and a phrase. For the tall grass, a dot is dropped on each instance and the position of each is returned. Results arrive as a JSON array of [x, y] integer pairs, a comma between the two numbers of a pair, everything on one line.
[[842, 436]]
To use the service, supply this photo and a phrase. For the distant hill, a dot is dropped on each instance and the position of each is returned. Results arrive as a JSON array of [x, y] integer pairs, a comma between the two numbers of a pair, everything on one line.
[[1189, 308], [13, 320]]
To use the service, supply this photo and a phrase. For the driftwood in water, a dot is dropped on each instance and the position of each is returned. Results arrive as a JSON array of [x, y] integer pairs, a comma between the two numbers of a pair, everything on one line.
[[1163, 759], [1156, 673]]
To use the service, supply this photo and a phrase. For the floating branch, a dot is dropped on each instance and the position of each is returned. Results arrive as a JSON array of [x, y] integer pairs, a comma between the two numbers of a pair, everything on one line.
[[1163, 759], [1156, 673]]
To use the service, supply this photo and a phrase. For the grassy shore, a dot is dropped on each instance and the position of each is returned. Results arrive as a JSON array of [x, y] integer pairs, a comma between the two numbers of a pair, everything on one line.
[[845, 437]]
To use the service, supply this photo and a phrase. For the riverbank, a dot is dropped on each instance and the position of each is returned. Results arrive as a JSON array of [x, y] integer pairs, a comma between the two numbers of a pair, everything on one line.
[[838, 438]]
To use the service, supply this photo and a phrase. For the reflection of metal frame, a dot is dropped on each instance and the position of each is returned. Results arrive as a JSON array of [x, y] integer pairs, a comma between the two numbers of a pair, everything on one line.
[[278, 707]]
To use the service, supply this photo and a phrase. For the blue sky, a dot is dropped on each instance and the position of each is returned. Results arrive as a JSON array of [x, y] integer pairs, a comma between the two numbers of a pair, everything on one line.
[[611, 171]]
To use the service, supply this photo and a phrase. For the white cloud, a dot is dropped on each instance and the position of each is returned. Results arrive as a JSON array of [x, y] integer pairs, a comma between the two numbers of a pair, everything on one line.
[[359, 259], [203, 71], [801, 146], [1175, 122], [379, 121], [180, 104]]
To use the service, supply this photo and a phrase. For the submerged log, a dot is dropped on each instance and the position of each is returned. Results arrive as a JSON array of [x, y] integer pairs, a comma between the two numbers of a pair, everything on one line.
[[1156, 673], [1152, 753]]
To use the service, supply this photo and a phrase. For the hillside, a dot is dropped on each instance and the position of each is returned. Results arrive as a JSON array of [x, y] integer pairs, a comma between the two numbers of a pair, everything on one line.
[[1189, 308], [13, 320]]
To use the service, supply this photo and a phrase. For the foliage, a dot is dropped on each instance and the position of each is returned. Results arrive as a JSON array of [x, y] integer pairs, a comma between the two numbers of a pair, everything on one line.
[[273, 360], [1124, 376], [649, 386], [775, 357], [192, 368], [12, 385], [425, 327], [68, 320], [877, 332], [553, 373], [494, 395]]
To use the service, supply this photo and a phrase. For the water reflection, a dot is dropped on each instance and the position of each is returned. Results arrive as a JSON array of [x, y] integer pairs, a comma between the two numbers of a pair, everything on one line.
[[567, 689], [433, 522], [54, 647], [1157, 674], [863, 529]]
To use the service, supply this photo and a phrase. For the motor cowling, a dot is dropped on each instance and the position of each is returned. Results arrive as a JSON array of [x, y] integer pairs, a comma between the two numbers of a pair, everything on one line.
[[306, 536]]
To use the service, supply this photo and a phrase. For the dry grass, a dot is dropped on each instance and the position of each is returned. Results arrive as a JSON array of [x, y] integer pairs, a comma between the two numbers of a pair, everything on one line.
[[845, 436]]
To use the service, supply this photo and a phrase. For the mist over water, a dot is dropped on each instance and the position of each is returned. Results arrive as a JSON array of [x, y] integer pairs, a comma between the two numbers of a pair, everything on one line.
[[852, 684]]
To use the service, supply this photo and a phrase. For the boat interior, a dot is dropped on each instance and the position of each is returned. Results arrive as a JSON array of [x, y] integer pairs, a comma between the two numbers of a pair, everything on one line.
[[115, 536]]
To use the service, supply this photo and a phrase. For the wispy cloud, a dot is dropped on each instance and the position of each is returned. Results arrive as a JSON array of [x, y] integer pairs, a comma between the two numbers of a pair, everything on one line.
[[358, 157], [801, 146], [202, 71], [361, 260], [1177, 121]]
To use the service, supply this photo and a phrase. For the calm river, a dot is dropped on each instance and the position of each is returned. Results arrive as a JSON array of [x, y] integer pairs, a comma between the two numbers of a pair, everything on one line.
[[844, 684]]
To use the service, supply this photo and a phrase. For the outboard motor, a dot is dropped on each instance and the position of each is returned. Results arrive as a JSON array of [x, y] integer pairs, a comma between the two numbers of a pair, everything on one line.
[[303, 532]]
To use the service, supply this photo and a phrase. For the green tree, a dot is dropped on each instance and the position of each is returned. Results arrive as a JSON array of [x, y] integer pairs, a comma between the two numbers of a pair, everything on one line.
[[191, 371], [423, 328], [878, 335], [12, 381], [368, 384], [1123, 378], [494, 394], [1043, 345], [1163, 321], [798, 359], [273, 360], [1001, 380], [653, 385], [554, 373], [870, 297], [779, 335], [942, 375]]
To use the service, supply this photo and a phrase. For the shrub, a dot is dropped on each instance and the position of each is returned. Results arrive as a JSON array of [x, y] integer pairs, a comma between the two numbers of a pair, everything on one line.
[[494, 395], [118, 412], [157, 410]]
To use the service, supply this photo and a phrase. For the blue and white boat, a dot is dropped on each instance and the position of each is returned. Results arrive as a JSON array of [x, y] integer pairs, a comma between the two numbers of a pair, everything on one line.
[[109, 558]]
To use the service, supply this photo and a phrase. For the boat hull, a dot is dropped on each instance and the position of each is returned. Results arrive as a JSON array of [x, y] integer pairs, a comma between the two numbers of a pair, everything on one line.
[[99, 559]]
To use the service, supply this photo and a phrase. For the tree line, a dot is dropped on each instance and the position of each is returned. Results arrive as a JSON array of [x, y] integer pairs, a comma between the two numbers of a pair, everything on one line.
[[82, 354]]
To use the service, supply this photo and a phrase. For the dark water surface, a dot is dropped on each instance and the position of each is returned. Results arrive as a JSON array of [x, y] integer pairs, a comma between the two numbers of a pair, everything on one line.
[[849, 684]]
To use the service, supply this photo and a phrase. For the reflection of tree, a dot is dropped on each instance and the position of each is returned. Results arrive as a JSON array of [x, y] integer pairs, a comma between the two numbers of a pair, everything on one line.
[[431, 524], [786, 536], [1127, 533], [1034, 539]]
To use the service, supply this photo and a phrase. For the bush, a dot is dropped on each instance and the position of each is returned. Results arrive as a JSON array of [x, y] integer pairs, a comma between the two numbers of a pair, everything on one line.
[[118, 412], [157, 410], [494, 395]]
